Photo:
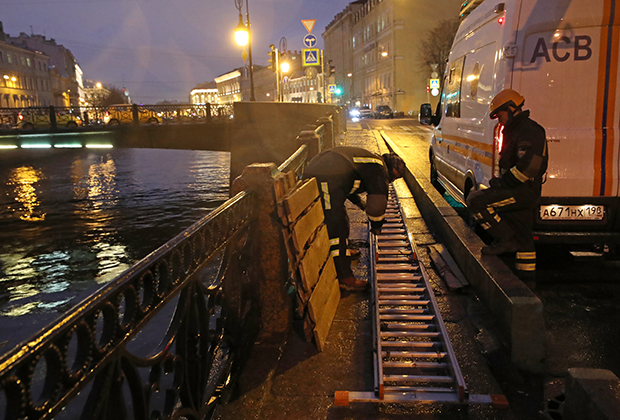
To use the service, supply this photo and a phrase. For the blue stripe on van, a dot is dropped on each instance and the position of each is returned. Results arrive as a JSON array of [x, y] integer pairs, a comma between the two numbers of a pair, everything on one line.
[[606, 94]]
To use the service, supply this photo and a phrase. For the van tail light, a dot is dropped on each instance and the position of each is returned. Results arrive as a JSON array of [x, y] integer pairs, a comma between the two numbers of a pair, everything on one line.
[[498, 144]]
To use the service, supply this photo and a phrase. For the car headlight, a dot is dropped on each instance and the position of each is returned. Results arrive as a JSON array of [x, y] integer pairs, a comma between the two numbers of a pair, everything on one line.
[[355, 113]]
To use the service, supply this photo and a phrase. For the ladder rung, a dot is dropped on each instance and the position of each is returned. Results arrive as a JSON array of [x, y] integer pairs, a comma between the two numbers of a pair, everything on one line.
[[396, 285], [395, 244], [392, 288], [405, 327], [402, 302], [398, 276], [392, 333], [385, 237], [417, 378], [401, 344], [397, 311], [416, 354], [395, 252], [417, 389], [397, 267], [415, 365]]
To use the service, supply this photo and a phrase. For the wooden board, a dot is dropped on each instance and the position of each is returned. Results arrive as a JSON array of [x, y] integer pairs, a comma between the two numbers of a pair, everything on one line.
[[297, 201], [326, 318], [314, 259], [443, 270], [445, 255], [306, 225], [322, 291]]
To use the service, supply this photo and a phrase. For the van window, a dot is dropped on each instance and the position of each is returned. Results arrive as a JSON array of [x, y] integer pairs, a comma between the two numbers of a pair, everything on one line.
[[476, 92], [453, 88]]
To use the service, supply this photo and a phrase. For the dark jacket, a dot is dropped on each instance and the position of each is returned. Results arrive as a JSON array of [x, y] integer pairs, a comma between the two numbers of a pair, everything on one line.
[[350, 171], [524, 156]]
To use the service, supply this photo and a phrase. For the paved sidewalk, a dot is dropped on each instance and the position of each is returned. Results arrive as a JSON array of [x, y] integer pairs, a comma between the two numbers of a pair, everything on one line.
[[289, 379]]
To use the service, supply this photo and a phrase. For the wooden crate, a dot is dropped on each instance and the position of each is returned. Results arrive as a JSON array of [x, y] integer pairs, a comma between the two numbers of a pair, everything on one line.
[[310, 261]]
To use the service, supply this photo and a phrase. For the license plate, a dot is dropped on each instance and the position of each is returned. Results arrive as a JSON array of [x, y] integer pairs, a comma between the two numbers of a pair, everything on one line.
[[582, 212]]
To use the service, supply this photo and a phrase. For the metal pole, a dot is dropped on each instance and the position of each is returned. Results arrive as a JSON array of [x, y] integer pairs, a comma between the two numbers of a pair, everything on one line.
[[278, 75], [247, 17], [323, 73]]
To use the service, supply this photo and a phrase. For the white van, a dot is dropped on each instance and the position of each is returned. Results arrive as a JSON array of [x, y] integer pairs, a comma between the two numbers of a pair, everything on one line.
[[562, 56]]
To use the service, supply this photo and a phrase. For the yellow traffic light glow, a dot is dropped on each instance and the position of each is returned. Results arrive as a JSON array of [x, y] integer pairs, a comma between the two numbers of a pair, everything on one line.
[[242, 36], [285, 67]]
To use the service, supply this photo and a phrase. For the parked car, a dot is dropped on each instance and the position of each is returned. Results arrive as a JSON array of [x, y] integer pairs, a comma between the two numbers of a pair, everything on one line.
[[425, 114], [366, 113], [384, 111], [30, 118], [123, 114]]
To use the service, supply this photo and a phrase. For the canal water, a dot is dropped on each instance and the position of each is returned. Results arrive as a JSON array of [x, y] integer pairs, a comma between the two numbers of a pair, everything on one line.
[[72, 220]]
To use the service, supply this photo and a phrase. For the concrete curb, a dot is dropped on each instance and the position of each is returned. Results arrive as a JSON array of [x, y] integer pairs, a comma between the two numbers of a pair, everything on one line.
[[518, 310], [592, 394]]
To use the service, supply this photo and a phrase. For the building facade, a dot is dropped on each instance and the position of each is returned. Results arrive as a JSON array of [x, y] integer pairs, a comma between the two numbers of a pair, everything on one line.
[[68, 87], [229, 87], [372, 46], [204, 93]]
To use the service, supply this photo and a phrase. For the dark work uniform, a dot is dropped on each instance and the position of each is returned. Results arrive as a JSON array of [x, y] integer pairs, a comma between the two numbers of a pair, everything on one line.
[[507, 208], [344, 172]]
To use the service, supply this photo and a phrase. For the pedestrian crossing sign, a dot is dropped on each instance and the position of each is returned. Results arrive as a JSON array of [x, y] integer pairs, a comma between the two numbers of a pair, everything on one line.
[[311, 57]]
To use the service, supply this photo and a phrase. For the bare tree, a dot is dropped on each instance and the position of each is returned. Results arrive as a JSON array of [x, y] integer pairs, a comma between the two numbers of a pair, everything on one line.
[[435, 46]]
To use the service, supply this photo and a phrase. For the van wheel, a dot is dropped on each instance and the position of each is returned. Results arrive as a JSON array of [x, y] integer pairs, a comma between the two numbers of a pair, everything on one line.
[[114, 121], [153, 120], [435, 178], [28, 126], [71, 124]]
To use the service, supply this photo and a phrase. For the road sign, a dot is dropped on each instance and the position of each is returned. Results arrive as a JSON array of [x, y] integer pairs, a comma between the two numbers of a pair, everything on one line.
[[434, 84], [310, 41], [285, 79], [331, 88], [309, 24], [310, 57]]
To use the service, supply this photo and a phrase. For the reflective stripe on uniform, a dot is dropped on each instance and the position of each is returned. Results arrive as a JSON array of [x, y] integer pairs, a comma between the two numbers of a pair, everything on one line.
[[326, 199], [503, 203], [376, 218], [490, 210], [497, 218], [477, 216], [367, 160], [525, 267], [519, 175], [526, 255], [335, 241], [486, 225], [356, 185], [335, 253]]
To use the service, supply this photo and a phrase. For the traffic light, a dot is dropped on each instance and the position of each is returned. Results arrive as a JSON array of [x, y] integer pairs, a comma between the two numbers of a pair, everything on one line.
[[338, 91], [272, 60], [331, 69]]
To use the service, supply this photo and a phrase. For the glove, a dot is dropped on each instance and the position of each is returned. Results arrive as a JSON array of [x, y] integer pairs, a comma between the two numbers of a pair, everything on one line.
[[495, 183]]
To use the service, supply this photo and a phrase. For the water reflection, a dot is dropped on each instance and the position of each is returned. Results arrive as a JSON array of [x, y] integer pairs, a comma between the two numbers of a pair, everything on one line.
[[25, 180]]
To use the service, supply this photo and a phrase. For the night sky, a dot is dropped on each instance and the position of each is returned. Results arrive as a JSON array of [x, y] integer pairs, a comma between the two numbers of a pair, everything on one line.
[[161, 49]]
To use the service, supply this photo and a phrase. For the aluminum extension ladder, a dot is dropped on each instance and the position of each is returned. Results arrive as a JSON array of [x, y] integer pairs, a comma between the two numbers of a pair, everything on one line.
[[413, 357]]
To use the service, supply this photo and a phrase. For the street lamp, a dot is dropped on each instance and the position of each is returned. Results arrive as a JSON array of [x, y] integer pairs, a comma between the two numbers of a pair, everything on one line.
[[243, 38]]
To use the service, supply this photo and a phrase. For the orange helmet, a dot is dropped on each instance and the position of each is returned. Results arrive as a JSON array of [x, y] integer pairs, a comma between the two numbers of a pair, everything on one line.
[[503, 100]]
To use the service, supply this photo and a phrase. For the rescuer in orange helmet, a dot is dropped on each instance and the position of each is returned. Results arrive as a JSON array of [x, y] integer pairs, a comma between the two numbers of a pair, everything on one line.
[[506, 209]]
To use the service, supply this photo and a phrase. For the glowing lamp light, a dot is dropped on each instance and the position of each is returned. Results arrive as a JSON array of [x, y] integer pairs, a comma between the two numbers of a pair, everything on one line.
[[285, 67], [384, 54], [242, 37], [501, 20]]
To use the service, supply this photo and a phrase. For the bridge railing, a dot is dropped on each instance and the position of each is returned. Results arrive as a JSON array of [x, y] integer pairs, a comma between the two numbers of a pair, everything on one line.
[[168, 337], [54, 117]]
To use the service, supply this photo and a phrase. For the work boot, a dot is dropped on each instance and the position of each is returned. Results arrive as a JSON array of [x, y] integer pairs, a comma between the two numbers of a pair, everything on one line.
[[353, 283], [500, 246], [354, 254]]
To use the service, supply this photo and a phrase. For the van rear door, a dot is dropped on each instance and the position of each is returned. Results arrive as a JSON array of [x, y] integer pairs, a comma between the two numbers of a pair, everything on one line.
[[567, 70]]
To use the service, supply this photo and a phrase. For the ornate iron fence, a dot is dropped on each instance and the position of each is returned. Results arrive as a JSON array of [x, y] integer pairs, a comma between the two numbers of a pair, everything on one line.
[[102, 360]]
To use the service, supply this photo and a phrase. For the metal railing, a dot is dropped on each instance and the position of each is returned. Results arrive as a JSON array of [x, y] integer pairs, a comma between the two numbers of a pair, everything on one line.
[[54, 117], [97, 363]]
